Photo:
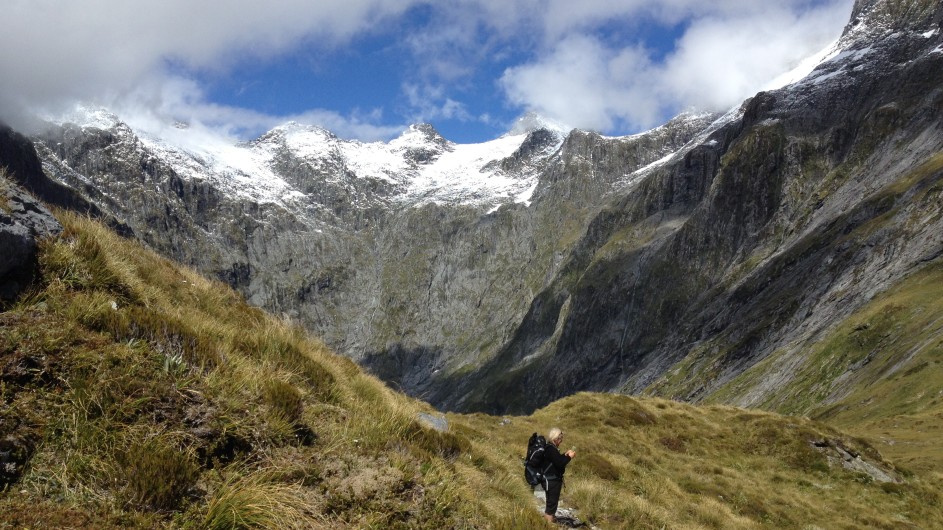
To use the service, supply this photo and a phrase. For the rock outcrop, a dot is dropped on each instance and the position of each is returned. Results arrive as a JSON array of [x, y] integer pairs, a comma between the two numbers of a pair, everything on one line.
[[23, 222]]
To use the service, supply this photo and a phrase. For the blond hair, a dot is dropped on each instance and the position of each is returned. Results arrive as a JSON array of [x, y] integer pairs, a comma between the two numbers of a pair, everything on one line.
[[554, 434]]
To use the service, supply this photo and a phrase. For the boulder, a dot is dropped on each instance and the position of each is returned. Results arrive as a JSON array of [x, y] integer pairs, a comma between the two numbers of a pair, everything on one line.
[[23, 221]]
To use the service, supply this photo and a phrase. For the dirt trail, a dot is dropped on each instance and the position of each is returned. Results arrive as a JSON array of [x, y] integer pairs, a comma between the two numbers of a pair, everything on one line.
[[566, 517]]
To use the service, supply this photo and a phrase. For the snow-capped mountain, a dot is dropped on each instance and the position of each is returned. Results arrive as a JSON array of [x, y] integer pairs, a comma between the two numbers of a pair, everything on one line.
[[670, 262], [418, 166]]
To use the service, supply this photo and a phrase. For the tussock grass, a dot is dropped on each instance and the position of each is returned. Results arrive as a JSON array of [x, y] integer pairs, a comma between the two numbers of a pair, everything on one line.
[[702, 467], [154, 397], [157, 472], [253, 501], [137, 394]]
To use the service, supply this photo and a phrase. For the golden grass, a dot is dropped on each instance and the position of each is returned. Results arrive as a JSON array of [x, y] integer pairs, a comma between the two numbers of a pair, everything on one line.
[[253, 501], [151, 390], [680, 466], [151, 397]]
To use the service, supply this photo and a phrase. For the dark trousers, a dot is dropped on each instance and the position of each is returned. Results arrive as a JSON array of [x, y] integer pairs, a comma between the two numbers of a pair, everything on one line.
[[553, 488]]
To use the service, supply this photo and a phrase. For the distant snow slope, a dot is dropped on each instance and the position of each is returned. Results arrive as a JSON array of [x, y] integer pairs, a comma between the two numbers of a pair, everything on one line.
[[422, 165]]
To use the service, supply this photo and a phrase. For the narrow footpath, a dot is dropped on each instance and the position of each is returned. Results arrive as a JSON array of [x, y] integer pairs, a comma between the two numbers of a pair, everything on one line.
[[566, 517]]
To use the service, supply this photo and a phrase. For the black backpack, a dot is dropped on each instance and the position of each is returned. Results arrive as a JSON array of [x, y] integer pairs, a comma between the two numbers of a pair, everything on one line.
[[535, 468]]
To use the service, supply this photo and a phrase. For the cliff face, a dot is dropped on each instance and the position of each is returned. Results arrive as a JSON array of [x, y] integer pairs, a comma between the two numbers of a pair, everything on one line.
[[666, 262], [758, 239], [414, 280]]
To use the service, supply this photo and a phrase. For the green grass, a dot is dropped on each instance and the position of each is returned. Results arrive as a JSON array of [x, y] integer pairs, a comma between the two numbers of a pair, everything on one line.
[[143, 395], [136, 394], [650, 463], [878, 374], [896, 398]]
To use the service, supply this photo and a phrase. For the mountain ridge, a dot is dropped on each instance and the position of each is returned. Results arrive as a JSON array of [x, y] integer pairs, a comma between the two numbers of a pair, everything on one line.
[[447, 269]]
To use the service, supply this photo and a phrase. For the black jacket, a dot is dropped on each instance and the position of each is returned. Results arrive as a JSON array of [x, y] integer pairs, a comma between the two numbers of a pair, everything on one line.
[[558, 462]]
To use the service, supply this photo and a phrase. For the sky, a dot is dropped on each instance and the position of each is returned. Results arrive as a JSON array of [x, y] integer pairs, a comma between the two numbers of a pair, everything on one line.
[[366, 69]]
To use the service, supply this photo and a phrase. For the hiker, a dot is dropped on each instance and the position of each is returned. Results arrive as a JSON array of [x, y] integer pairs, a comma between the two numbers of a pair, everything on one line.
[[554, 475]]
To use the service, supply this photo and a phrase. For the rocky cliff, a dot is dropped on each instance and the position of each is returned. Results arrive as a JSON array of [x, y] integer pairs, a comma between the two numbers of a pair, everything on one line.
[[24, 221], [755, 239], [666, 262]]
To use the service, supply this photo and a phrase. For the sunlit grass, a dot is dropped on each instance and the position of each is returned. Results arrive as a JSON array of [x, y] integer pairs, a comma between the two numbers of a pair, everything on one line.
[[148, 396], [701, 467], [149, 389]]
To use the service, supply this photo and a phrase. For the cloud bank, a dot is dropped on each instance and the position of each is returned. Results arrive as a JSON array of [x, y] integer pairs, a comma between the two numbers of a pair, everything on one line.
[[129, 55], [575, 62], [723, 56]]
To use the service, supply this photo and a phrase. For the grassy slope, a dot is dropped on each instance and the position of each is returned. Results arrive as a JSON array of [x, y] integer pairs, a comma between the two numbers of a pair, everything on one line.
[[147, 396], [879, 374], [651, 463]]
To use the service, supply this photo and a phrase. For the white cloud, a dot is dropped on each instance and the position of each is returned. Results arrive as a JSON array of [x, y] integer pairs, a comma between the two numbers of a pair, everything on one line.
[[585, 84], [130, 55], [719, 62], [430, 103], [153, 107], [53, 52], [723, 57]]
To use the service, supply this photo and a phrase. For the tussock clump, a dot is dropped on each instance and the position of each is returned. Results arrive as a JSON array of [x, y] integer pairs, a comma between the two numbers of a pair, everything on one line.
[[158, 475], [599, 467], [285, 400], [252, 501]]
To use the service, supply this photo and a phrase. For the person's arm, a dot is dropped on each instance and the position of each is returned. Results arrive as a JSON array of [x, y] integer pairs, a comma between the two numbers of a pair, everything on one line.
[[559, 461]]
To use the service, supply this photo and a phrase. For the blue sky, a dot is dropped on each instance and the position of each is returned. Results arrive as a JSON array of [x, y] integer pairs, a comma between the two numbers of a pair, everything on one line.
[[367, 68]]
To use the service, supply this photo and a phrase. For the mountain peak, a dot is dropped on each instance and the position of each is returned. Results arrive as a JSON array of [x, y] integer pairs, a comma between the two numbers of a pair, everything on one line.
[[290, 127], [87, 116], [531, 121], [885, 15], [420, 135]]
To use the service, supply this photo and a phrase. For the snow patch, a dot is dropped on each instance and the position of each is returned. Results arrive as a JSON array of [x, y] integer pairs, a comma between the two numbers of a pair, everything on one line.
[[804, 68], [525, 196], [235, 169], [374, 160], [461, 175], [420, 164]]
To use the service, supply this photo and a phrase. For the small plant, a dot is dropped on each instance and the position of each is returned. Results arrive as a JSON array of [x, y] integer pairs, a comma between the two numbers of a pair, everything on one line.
[[4, 189]]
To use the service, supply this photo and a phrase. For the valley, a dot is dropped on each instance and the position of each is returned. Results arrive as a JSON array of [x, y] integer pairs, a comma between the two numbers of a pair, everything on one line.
[[737, 317]]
